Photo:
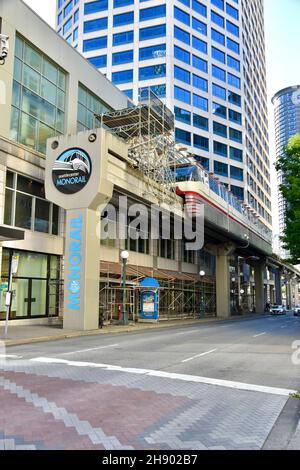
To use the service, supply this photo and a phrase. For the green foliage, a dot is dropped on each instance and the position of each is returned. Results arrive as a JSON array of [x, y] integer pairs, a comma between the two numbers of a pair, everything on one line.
[[289, 165]]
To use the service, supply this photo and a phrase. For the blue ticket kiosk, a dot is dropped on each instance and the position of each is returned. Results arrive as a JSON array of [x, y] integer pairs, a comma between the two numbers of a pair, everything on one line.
[[149, 299]]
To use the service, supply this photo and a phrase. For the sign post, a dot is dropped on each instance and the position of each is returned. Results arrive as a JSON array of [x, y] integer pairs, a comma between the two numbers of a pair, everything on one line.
[[12, 272]]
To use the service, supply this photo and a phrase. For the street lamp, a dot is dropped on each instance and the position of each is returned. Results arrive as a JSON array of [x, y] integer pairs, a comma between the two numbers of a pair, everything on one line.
[[202, 311], [124, 257]]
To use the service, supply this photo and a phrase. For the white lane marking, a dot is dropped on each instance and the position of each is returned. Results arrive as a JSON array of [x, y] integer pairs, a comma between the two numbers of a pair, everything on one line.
[[91, 349], [260, 334], [170, 375], [10, 356], [186, 332], [199, 355]]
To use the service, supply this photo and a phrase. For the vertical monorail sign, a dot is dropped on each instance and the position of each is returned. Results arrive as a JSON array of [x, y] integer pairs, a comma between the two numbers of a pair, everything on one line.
[[76, 180]]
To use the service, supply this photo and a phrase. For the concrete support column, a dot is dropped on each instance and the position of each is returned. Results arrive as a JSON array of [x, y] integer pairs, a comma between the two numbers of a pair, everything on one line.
[[223, 280], [278, 287], [260, 301]]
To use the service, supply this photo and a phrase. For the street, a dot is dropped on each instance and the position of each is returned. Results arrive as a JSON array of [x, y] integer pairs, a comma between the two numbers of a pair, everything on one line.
[[223, 385]]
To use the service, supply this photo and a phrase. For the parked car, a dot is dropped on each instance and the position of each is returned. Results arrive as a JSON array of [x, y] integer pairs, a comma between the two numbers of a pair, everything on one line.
[[278, 310], [297, 311]]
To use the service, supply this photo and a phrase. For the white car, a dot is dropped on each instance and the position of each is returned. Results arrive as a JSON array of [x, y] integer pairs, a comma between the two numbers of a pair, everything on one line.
[[297, 311], [278, 310]]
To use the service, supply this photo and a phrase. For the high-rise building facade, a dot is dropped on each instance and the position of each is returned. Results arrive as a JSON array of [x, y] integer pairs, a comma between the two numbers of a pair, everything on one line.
[[287, 123], [206, 60]]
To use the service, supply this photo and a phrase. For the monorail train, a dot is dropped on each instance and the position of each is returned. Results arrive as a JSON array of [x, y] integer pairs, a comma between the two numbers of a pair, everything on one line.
[[198, 187]]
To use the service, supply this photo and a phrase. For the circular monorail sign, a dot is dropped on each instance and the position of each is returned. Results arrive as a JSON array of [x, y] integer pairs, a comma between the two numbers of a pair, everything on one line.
[[71, 171]]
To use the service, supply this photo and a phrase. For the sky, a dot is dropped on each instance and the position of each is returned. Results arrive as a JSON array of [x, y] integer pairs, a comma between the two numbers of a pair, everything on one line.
[[282, 46]]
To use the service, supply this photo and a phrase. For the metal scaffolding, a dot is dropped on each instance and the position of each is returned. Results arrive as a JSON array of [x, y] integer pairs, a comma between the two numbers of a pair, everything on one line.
[[148, 129], [179, 295]]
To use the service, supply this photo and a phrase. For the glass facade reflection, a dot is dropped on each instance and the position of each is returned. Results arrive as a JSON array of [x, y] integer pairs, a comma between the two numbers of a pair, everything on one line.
[[38, 105]]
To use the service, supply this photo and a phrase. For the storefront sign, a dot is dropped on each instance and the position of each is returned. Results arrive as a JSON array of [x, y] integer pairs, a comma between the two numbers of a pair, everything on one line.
[[71, 171], [74, 261]]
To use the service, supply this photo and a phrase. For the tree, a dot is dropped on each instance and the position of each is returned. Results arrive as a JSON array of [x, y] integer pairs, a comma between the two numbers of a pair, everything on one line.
[[289, 166]]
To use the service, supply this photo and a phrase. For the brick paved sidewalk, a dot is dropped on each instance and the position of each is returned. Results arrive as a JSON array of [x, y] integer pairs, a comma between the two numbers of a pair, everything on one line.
[[59, 406]]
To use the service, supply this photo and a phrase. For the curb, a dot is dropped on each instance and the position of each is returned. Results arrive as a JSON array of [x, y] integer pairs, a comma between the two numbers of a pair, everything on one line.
[[128, 329]]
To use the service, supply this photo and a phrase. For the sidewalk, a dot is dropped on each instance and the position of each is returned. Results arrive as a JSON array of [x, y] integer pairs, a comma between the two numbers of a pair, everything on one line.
[[18, 335]]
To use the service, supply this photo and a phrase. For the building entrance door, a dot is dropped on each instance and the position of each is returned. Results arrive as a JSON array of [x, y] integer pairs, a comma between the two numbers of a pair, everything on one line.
[[29, 298]]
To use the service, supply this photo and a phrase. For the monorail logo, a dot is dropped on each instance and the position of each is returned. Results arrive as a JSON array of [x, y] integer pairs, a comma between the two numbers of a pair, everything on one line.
[[71, 171]]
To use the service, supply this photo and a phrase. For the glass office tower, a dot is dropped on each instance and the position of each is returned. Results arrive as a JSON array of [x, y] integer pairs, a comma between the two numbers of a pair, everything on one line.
[[206, 60], [287, 123]]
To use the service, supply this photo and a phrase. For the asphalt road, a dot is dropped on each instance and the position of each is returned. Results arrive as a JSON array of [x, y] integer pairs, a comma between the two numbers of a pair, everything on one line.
[[235, 375]]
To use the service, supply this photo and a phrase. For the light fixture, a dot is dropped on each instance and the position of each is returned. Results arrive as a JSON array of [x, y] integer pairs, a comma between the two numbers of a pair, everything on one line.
[[124, 255], [202, 273]]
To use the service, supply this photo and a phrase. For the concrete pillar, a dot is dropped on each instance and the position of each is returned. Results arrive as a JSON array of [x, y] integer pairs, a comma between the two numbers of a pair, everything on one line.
[[223, 280], [260, 301], [278, 287]]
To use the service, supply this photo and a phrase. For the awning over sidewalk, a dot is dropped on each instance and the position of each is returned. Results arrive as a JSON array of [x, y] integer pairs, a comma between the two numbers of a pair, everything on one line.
[[8, 234]]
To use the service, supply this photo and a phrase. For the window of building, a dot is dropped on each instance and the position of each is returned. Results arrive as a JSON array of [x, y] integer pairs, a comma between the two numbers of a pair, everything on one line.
[[152, 32], [98, 61], [123, 18], [201, 142], [220, 168], [219, 73], [200, 102], [220, 149], [182, 115], [200, 64], [122, 38], [234, 116], [199, 26], [158, 90], [236, 173], [182, 136], [238, 192], [153, 71], [122, 57], [218, 37], [199, 8], [219, 110], [122, 3], [94, 25], [219, 91], [200, 83], [89, 105], [182, 35], [182, 74], [232, 28], [233, 80], [200, 122], [182, 55], [38, 103], [94, 7], [217, 19], [158, 11], [219, 129], [218, 55], [235, 135], [152, 52], [203, 161], [182, 95], [94, 44], [200, 45], [26, 206], [180, 15], [122, 76], [236, 154], [234, 98]]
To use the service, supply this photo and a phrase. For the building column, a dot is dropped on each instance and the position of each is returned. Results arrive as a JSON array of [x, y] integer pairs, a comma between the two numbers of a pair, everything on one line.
[[223, 280], [278, 287], [260, 301]]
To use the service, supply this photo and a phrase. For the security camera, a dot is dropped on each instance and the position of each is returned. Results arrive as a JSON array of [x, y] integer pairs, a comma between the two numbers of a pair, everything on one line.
[[4, 47]]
